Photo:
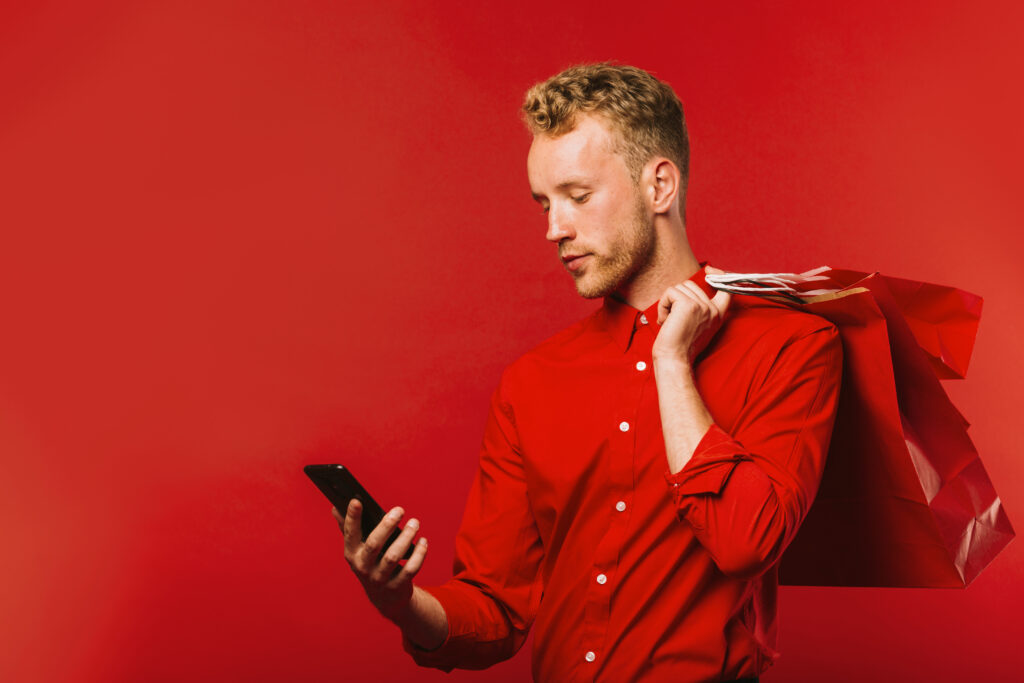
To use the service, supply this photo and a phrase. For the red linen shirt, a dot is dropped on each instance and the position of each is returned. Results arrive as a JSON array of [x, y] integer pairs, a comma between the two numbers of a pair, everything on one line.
[[574, 521]]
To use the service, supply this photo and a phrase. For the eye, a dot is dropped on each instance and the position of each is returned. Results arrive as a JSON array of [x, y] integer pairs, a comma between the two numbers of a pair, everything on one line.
[[581, 199]]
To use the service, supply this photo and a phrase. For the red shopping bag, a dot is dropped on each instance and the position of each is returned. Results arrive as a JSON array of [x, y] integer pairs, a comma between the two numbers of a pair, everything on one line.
[[904, 499]]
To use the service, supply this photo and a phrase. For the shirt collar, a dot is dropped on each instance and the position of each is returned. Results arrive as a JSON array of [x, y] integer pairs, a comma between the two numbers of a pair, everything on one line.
[[620, 320]]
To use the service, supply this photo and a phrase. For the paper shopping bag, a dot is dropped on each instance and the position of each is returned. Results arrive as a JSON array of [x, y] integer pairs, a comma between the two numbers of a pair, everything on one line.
[[904, 499]]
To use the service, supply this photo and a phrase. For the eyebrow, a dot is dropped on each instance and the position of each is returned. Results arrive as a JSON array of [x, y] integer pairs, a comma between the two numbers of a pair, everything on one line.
[[569, 182]]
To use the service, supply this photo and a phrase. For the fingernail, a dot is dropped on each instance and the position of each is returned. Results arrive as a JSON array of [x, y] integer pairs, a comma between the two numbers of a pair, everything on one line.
[[395, 514], [413, 524]]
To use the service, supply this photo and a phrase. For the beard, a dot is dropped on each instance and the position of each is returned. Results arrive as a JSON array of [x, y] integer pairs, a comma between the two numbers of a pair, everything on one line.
[[632, 251]]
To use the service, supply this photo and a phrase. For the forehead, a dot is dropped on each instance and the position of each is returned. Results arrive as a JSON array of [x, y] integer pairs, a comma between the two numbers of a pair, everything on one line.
[[588, 150]]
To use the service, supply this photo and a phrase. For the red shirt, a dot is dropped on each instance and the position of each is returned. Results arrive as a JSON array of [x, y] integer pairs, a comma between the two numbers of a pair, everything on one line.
[[574, 521]]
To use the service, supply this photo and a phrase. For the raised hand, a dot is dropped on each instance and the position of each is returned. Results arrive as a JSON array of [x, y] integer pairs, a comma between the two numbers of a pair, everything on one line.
[[688, 319], [384, 577]]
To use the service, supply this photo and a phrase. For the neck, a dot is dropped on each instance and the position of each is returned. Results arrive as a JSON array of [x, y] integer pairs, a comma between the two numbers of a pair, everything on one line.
[[672, 262]]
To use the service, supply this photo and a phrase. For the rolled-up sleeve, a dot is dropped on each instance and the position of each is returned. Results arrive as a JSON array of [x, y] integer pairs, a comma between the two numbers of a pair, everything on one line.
[[746, 491], [493, 597]]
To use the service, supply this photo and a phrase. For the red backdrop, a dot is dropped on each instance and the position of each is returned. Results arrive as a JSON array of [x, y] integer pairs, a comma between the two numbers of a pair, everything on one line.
[[242, 237]]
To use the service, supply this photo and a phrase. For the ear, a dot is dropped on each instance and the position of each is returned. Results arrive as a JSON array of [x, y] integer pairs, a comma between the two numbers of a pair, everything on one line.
[[662, 181]]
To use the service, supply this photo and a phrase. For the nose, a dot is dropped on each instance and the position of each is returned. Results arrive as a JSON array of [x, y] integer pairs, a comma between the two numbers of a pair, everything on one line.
[[559, 225]]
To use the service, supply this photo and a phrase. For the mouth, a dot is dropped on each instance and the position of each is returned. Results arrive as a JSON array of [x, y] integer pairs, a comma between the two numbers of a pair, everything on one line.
[[574, 261]]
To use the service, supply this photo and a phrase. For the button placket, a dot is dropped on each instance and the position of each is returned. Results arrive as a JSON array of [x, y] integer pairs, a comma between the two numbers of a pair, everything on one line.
[[621, 472]]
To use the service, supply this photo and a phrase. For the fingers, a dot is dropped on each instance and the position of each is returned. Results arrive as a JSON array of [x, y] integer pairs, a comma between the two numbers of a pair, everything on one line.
[[672, 296], [374, 543], [351, 526], [722, 298], [687, 292], [665, 305], [412, 566], [715, 306], [702, 300], [396, 551], [693, 290], [721, 301]]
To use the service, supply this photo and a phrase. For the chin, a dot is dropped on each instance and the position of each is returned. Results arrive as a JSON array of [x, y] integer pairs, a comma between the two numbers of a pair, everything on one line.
[[593, 290], [590, 294]]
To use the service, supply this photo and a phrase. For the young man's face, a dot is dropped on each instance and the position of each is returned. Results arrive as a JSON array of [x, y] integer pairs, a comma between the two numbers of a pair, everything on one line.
[[595, 214]]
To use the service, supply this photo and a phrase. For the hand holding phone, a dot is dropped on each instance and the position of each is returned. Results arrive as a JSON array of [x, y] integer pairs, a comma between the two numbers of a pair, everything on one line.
[[373, 550], [340, 486]]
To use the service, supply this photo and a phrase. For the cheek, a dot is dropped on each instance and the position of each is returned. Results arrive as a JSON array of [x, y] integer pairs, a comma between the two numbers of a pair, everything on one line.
[[608, 213], [619, 219]]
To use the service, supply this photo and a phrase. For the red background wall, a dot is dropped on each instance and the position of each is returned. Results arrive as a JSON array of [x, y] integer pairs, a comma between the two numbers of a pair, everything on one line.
[[242, 237]]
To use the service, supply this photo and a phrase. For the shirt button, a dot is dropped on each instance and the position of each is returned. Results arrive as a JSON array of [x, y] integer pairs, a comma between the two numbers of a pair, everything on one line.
[[641, 366], [643, 319], [602, 579], [621, 506], [624, 426], [590, 656]]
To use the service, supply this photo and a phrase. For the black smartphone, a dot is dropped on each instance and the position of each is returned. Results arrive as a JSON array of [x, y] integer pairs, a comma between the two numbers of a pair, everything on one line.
[[337, 483]]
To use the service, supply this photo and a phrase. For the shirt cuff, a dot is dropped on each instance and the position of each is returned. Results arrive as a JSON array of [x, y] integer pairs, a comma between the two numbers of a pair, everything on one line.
[[708, 470], [458, 647]]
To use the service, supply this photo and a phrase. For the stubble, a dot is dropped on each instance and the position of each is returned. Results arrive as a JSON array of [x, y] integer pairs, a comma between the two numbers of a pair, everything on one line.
[[629, 254]]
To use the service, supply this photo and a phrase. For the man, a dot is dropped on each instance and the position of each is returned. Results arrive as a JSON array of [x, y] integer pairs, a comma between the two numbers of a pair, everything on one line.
[[643, 470]]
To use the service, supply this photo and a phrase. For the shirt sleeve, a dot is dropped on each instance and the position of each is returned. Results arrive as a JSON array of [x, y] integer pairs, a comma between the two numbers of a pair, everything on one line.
[[494, 595], [746, 493]]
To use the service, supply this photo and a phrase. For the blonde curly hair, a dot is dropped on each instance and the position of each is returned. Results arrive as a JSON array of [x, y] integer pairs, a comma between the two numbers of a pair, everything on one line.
[[645, 112]]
